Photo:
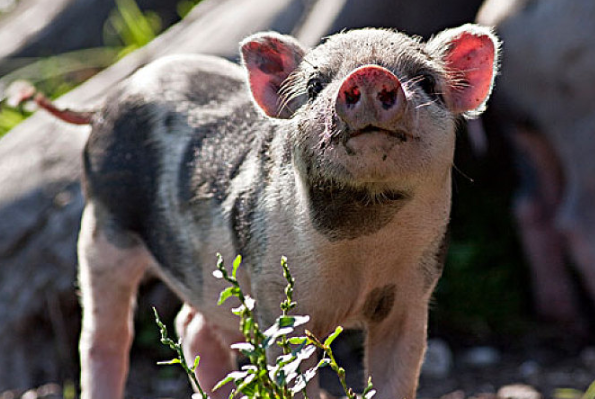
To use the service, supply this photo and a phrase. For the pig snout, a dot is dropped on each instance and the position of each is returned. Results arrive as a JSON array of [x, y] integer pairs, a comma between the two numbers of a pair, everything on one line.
[[371, 97]]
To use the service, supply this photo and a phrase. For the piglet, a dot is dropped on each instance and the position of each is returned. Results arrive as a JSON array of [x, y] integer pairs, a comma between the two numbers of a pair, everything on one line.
[[338, 157]]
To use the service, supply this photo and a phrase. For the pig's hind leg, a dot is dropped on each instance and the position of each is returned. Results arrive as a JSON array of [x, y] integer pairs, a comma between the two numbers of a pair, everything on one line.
[[212, 344], [111, 265]]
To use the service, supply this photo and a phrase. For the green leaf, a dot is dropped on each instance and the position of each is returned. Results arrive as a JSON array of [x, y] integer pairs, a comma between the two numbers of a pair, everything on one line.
[[224, 381], [567, 393], [590, 392], [169, 362], [249, 304], [325, 361], [245, 347], [297, 340], [196, 362], [236, 263], [135, 27], [226, 293], [280, 377], [303, 379], [290, 369], [245, 386], [292, 321], [286, 272], [239, 310], [220, 265], [233, 376], [248, 325], [283, 325], [285, 321], [157, 319], [369, 392], [329, 340]]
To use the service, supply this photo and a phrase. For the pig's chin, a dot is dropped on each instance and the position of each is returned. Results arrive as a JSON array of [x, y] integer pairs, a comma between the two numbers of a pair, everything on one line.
[[371, 141], [398, 134], [376, 155]]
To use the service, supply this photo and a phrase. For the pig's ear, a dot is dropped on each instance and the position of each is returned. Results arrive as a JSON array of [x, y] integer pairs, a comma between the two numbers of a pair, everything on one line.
[[470, 55], [269, 59]]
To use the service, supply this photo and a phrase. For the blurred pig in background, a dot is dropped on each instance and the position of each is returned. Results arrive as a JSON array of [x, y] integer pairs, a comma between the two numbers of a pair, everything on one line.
[[545, 104]]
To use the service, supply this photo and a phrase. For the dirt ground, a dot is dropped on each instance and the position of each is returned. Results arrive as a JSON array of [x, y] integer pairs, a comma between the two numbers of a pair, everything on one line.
[[545, 357], [545, 364]]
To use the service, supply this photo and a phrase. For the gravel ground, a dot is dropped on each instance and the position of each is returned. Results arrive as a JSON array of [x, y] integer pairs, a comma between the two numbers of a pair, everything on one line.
[[531, 368], [543, 358]]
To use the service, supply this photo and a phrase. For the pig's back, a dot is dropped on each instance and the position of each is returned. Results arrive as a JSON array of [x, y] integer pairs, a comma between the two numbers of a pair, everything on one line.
[[168, 142]]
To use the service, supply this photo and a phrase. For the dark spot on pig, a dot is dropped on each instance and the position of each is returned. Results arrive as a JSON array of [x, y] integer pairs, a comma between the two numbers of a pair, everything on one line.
[[384, 157], [169, 121], [249, 237], [121, 163], [202, 171], [114, 233], [286, 157], [186, 171], [379, 303], [122, 168], [199, 91], [242, 215], [120, 238], [349, 213], [264, 158]]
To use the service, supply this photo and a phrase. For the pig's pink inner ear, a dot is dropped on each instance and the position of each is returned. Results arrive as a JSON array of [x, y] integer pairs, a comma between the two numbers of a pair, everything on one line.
[[269, 60], [471, 62]]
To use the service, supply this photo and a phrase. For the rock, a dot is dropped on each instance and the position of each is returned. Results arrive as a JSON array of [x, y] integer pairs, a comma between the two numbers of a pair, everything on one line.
[[587, 356], [481, 356], [518, 391], [529, 369], [485, 395], [439, 359], [458, 394]]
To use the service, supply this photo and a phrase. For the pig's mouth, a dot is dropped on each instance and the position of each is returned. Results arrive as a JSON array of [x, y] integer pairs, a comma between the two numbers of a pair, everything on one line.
[[398, 134]]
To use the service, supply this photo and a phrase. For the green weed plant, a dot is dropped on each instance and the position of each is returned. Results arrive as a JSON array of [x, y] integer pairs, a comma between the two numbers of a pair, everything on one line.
[[259, 379], [568, 393]]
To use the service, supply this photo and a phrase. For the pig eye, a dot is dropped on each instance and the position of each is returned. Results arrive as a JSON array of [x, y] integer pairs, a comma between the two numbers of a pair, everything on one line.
[[428, 84], [314, 87]]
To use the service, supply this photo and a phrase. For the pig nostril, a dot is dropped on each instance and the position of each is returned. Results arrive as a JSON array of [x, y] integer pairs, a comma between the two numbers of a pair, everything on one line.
[[352, 95], [387, 98]]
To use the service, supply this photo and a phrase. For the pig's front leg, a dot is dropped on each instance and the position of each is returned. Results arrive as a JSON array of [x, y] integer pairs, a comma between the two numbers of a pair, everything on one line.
[[395, 348]]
